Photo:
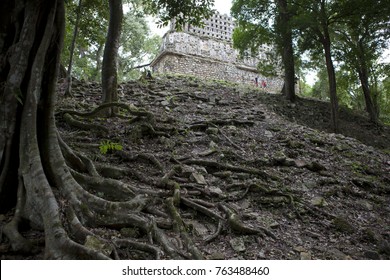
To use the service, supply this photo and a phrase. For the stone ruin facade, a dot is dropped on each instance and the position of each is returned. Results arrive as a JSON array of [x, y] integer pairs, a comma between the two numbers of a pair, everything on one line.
[[207, 52]]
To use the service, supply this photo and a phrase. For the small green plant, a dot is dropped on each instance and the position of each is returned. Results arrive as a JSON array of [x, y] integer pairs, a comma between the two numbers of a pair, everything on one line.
[[109, 146]]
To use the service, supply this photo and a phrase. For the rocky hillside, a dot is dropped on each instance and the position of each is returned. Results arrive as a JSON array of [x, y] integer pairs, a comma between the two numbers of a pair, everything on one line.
[[252, 176]]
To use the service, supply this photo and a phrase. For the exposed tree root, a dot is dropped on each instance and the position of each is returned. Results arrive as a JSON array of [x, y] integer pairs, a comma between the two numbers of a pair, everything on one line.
[[316, 211], [213, 123], [200, 208], [84, 125], [238, 226], [11, 230], [216, 233], [120, 243], [117, 173], [214, 166], [95, 112], [146, 123], [180, 229], [127, 157], [111, 189], [260, 188]]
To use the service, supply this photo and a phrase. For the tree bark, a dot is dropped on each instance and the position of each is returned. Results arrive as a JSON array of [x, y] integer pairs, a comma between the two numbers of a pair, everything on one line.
[[29, 137], [110, 58], [364, 81], [325, 40], [287, 50], [370, 108], [98, 69], [334, 103]]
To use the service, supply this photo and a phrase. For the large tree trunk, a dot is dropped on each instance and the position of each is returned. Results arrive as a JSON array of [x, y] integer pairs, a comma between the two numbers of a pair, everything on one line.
[[98, 69], [110, 58], [363, 77], [364, 81], [332, 86], [31, 161], [324, 37], [287, 50]]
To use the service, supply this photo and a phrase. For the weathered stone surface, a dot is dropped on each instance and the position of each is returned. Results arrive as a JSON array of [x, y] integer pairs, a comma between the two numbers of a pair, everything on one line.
[[318, 201], [337, 254], [198, 228], [198, 178], [207, 52], [268, 134], [371, 255], [305, 256], [300, 163], [187, 170], [215, 190], [238, 244], [216, 256]]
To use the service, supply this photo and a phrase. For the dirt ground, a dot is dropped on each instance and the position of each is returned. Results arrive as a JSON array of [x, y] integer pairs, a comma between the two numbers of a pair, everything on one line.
[[258, 177]]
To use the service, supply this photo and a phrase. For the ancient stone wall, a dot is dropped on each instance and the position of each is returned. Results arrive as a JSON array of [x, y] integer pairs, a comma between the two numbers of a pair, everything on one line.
[[208, 53], [218, 26], [211, 69]]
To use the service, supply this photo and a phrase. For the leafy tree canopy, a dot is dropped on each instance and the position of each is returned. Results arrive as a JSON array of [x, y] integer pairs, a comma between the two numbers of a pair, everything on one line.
[[183, 11]]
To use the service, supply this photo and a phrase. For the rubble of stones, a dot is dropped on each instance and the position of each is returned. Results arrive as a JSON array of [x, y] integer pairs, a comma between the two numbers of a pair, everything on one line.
[[344, 184], [330, 193]]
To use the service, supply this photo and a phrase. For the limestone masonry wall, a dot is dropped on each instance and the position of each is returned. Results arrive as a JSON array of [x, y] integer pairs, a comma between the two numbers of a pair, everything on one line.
[[208, 53]]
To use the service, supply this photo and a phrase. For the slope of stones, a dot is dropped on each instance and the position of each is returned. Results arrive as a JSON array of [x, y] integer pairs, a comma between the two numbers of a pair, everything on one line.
[[302, 193]]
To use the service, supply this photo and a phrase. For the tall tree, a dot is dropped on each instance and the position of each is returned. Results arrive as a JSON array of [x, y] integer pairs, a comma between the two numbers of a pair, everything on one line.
[[68, 90], [89, 45], [138, 46], [316, 20], [110, 57], [31, 159], [285, 43], [255, 28], [360, 41]]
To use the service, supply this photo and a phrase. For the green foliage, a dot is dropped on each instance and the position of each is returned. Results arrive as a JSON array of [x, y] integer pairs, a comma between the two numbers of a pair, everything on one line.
[[321, 88], [348, 88], [183, 11], [90, 39], [384, 100], [254, 29], [107, 147], [304, 88], [357, 38], [137, 45], [262, 23]]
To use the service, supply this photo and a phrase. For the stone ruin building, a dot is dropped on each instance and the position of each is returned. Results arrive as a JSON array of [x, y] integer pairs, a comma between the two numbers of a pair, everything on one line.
[[207, 52]]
